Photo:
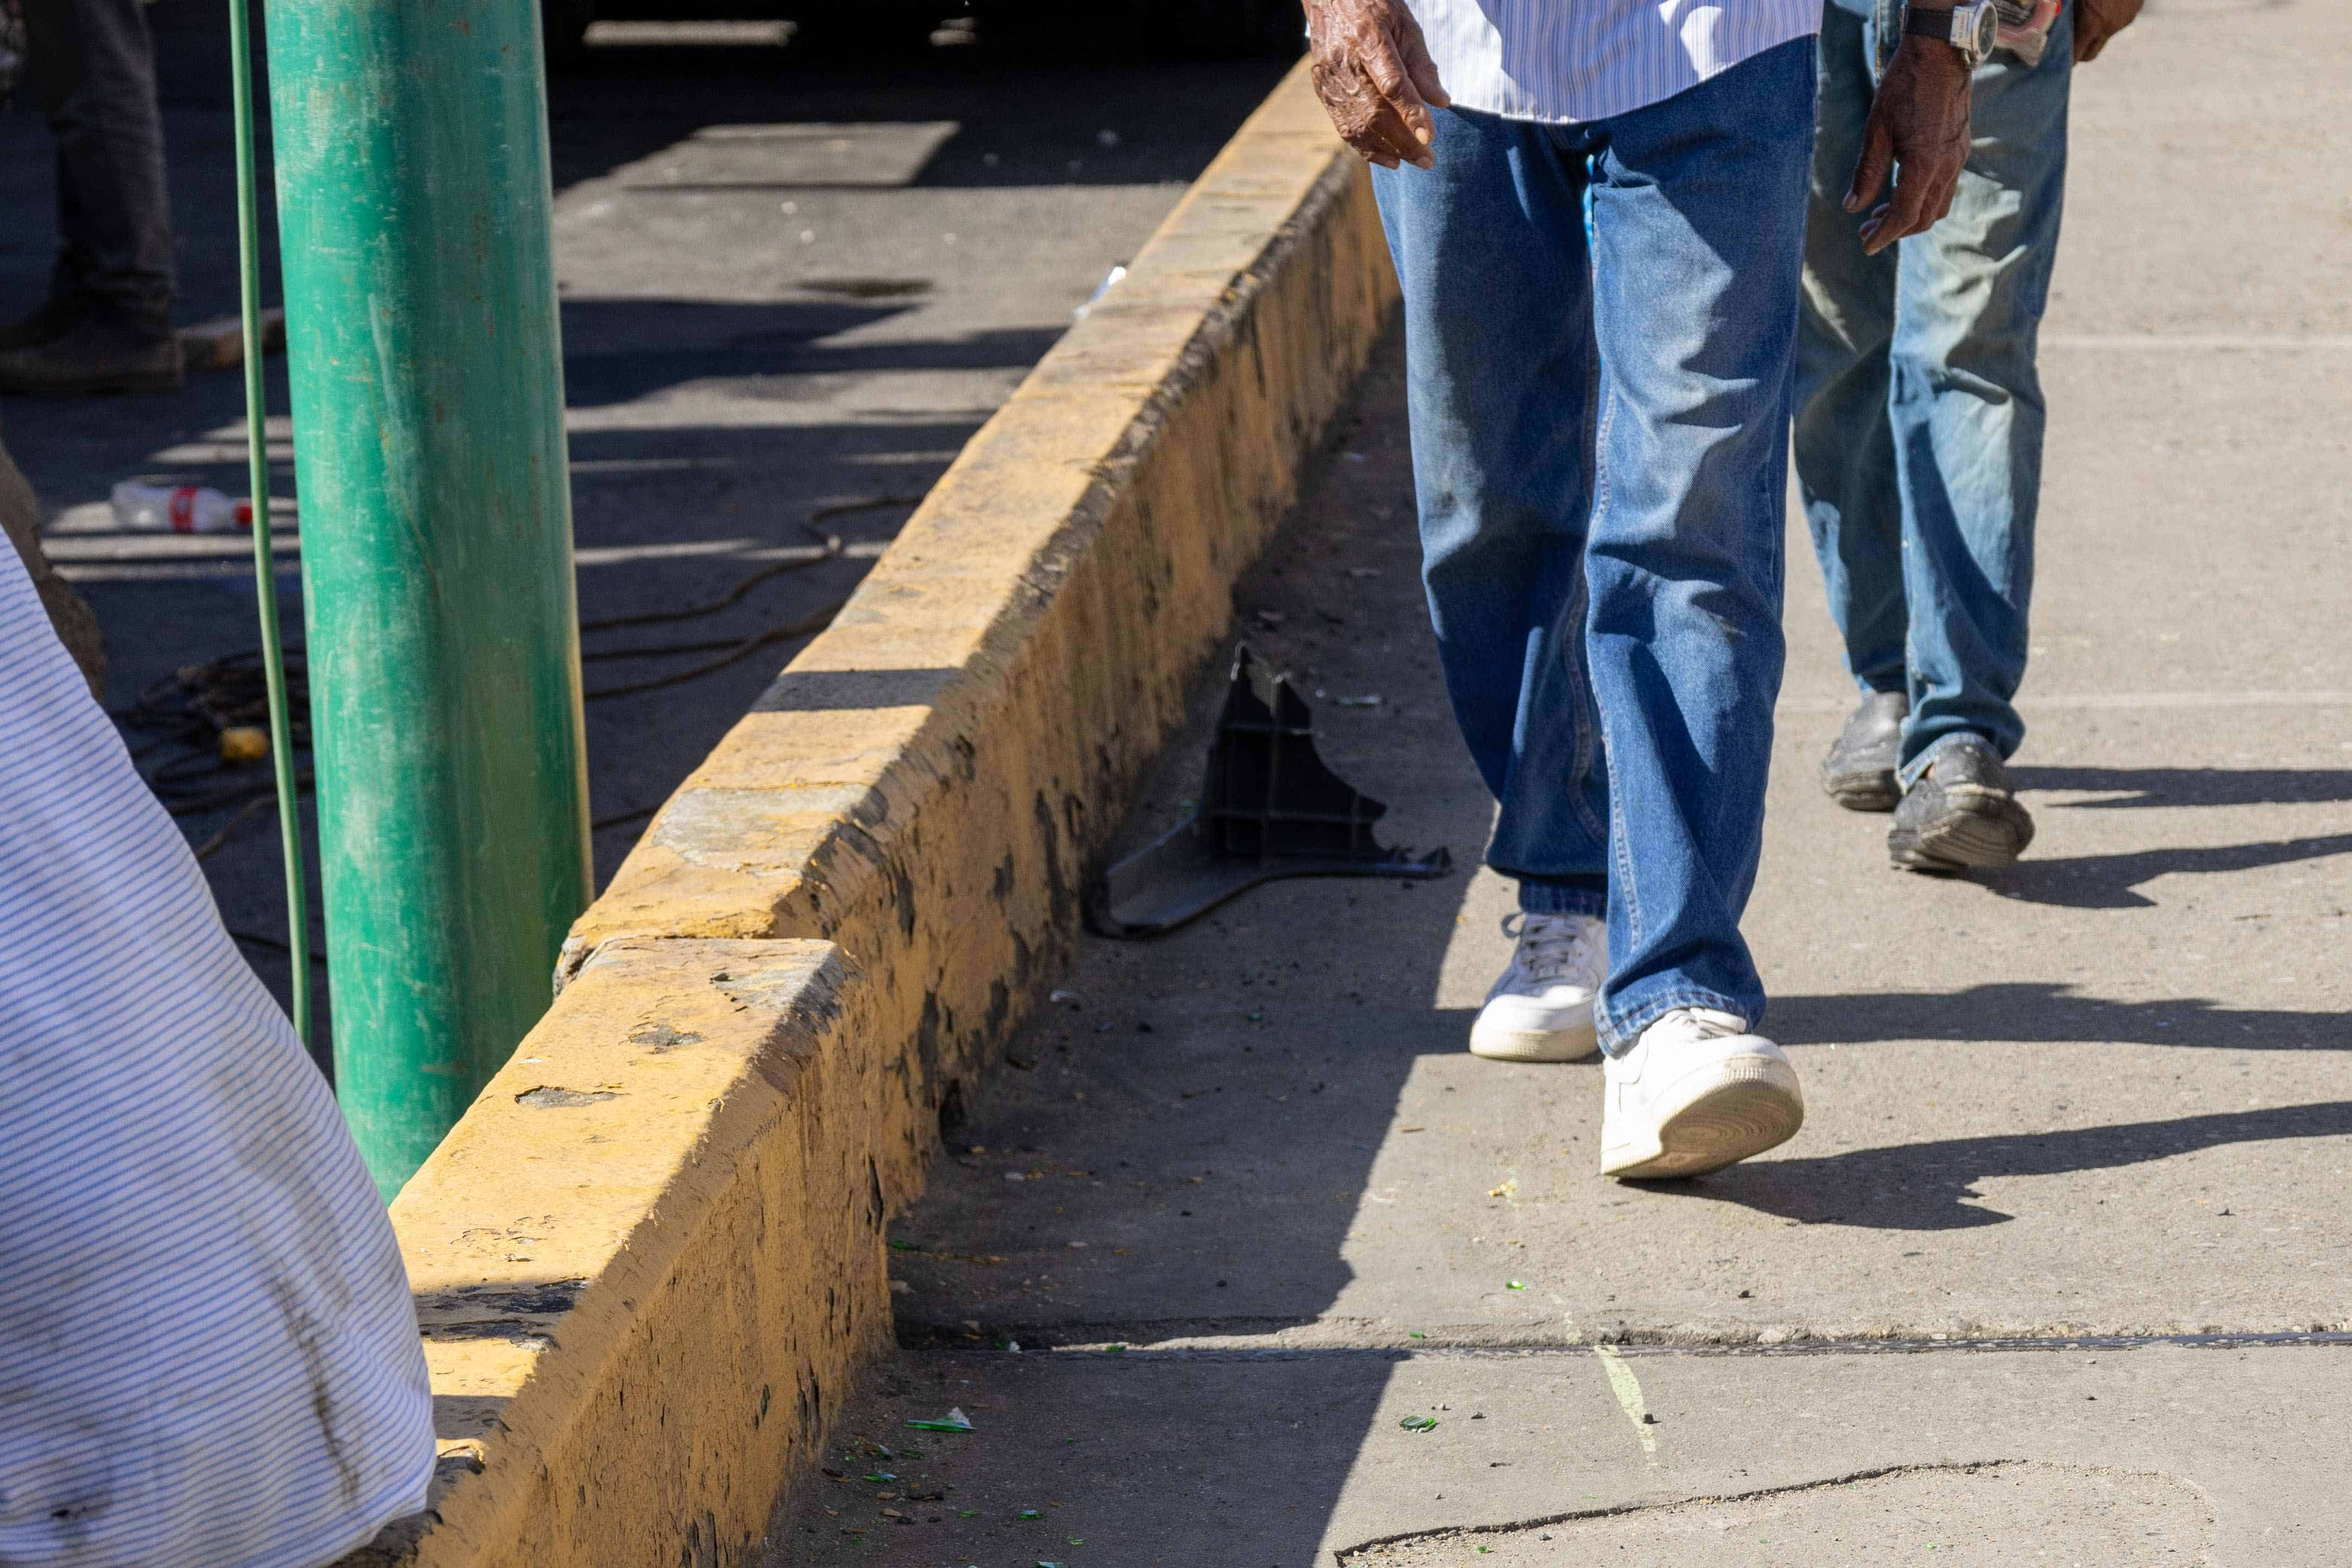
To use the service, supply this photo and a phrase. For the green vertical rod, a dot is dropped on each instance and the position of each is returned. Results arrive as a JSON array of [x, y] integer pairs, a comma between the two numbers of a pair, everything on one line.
[[265, 560], [415, 236]]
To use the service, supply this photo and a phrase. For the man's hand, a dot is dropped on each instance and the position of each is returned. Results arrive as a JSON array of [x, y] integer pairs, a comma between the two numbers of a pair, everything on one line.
[[1375, 77], [1918, 131], [2096, 21]]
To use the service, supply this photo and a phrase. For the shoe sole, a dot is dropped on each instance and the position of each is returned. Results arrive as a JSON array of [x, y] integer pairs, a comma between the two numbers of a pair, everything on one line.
[[1719, 1115], [1981, 837], [1874, 792], [1499, 1045]]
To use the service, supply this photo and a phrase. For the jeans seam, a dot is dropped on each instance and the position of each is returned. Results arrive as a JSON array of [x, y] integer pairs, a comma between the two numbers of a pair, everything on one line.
[[1618, 853], [1588, 719]]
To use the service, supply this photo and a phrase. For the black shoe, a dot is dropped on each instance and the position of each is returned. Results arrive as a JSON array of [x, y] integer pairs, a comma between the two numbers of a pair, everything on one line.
[[1859, 772], [1961, 813], [56, 317], [93, 357]]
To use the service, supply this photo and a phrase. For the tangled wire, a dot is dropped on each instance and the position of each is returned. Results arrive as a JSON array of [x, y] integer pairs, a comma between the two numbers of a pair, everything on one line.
[[179, 724]]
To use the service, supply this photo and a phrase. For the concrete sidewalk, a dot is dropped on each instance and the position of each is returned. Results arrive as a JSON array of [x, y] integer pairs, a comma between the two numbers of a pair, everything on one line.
[[2055, 1271]]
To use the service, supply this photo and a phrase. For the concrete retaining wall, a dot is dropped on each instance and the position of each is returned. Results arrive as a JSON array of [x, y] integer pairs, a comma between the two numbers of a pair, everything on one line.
[[650, 1258]]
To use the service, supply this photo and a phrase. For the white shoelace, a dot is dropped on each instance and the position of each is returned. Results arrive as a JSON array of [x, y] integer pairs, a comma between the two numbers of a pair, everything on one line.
[[1554, 947]]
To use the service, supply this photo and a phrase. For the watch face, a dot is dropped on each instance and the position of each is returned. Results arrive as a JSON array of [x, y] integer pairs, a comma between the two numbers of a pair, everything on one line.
[[1984, 28]]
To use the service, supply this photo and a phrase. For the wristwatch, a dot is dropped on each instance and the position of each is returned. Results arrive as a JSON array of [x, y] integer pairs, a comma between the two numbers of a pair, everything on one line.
[[1969, 29]]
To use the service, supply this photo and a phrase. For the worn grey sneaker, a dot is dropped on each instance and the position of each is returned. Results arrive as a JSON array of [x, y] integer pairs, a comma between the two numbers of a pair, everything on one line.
[[1696, 1093], [1859, 772], [1961, 813]]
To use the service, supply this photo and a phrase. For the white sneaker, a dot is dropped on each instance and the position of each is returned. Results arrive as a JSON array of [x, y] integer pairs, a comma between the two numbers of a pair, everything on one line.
[[1541, 1008], [1695, 1094]]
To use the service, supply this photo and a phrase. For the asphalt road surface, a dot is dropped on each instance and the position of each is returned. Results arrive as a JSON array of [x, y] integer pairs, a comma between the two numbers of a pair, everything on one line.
[[793, 285]]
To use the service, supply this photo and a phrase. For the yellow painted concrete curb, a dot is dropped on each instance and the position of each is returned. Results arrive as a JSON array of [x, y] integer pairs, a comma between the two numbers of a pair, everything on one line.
[[908, 815], [648, 1260]]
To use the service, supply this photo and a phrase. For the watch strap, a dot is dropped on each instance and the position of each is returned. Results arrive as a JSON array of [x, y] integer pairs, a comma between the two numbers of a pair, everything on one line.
[[1927, 24]]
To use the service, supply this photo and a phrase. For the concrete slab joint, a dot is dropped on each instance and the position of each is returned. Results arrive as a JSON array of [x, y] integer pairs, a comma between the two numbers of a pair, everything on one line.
[[650, 1257]]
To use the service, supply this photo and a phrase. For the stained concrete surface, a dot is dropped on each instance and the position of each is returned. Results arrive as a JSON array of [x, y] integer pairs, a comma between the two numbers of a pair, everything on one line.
[[1245, 1204], [793, 285], [2114, 1458], [1969, 1514]]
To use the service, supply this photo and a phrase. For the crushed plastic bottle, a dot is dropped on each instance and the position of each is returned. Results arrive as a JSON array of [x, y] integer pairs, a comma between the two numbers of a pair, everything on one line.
[[1110, 281], [188, 509]]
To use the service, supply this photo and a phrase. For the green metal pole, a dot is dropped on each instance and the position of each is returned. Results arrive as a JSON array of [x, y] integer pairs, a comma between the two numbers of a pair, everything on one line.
[[414, 226]]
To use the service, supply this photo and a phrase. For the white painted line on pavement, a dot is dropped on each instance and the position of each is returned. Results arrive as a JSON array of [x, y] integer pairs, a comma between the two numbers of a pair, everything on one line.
[[1628, 1389]]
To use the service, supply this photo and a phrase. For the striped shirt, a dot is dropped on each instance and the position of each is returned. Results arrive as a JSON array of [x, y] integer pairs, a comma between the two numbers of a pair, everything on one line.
[[1571, 60], [208, 1355]]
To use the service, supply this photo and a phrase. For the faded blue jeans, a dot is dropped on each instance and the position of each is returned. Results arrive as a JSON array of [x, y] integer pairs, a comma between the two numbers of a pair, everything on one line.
[[1600, 452], [1919, 413]]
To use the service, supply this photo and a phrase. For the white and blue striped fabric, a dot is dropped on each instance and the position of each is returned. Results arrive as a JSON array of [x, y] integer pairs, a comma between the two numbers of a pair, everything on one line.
[[1577, 61], [208, 1354]]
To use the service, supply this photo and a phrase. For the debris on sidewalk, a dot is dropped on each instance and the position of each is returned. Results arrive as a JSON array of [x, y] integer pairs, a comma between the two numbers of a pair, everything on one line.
[[1269, 808], [219, 343], [954, 1421], [1110, 281], [182, 508], [244, 743]]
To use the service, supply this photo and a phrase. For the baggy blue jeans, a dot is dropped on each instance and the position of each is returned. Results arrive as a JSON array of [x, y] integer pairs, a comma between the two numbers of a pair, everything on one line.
[[1600, 454], [1919, 413]]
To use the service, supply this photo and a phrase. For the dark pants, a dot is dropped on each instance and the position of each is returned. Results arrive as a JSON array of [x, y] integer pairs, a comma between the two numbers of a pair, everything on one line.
[[95, 64]]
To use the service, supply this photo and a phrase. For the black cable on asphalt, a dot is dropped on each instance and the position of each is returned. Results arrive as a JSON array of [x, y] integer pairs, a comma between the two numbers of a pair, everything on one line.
[[655, 650], [733, 597], [830, 551], [744, 649], [262, 802]]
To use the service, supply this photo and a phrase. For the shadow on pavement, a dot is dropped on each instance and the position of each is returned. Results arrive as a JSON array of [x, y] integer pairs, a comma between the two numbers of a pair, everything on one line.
[[1926, 1186], [2112, 881], [2037, 1011], [619, 351], [1183, 1144], [2189, 786]]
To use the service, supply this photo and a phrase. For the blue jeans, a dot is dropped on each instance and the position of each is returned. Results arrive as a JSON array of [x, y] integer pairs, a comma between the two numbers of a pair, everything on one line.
[[1919, 413], [1598, 446]]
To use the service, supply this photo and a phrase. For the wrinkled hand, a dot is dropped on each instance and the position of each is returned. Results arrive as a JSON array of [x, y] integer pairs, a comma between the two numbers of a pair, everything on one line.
[[2096, 21], [1918, 132], [1375, 77]]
